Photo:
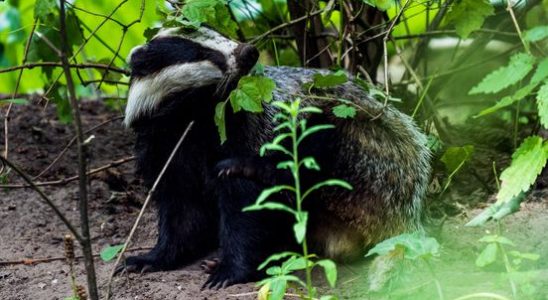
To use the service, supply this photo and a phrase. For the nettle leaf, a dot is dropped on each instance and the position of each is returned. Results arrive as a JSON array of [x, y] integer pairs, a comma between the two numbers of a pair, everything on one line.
[[330, 270], [251, 92], [329, 80], [520, 65], [344, 111], [213, 12], [509, 100], [541, 72], [536, 34], [381, 4], [497, 211], [45, 9], [110, 252], [197, 11], [415, 245], [487, 256], [542, 102], [455, 157], [220, 120], [469, 15], [527, 162]]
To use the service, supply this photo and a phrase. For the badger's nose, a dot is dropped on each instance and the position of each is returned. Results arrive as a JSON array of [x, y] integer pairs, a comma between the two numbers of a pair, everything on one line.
[[246, 57]]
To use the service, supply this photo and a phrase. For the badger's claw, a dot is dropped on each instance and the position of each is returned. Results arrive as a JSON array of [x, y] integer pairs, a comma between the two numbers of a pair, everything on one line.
[[209, 266], [136, 264], [225, 276]]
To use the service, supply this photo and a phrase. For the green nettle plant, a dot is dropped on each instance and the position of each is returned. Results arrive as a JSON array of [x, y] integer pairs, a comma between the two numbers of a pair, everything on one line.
[[294, 129]]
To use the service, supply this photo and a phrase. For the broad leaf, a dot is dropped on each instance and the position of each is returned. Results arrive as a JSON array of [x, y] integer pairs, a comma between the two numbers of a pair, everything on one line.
[[329, 80], [497, 211], [299, 228], [330, 270], [520, 65], [509, 100], [110, 252], [220, 120], [455, 157], [415, 245], [469, 15], [495, 238], [542, 103], [541, 72], [527, 162], [487, 256], [344, 111], [251, 92], [536, 34]]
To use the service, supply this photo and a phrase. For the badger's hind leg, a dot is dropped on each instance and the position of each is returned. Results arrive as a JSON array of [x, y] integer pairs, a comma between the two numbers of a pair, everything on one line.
[[246, 238]]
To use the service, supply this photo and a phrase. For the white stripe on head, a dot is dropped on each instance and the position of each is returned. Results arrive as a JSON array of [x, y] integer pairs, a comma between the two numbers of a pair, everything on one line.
[[146, 93]]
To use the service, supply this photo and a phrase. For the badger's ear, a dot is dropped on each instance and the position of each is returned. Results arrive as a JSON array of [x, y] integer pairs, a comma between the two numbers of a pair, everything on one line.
[[246, 57]]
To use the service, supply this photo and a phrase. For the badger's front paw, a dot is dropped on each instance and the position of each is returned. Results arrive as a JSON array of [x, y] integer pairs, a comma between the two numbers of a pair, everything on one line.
[[226, 275], [139, 264], [235, 167]]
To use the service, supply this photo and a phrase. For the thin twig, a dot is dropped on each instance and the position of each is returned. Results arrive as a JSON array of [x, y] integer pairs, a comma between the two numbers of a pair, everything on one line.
[[59, 64], [48, 201], [34, 261], [145, 204], [82, 151], [516, 24], [72, 178]]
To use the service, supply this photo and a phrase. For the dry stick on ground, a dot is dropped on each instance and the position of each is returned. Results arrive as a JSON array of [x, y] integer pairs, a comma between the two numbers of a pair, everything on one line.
[[43, 196], [72, 142], [145, 204], [66, 180], [82, 150], [33, 261]]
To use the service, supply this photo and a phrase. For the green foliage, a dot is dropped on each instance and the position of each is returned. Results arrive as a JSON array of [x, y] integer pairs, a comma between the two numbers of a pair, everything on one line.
[[542, 102], [293, 130], [195, 12], [413, 246], [110, 252], [249, 96], [527, 162], [381, 4], [454, 159], [520, 65], [329, 80], [495, 248], [469, 15], [536, 34], [344, 111]]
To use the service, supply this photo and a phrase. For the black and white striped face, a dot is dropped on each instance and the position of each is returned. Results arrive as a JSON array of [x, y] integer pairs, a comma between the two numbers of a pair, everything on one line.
[[176, 60]]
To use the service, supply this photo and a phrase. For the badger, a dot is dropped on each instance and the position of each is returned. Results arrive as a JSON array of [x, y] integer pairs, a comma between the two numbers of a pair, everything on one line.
[[180, 76]]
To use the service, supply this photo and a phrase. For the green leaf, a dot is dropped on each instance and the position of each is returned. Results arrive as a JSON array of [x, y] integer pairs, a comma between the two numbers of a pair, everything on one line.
[[278, 287], [329, 80], [251, 92], [310, 163], [198, 11], [44, 9], [415, 245], [495, 238], [275, 257], [312, 130], [150, 32], [344, 111], [455, 157], [328, 297], [269, 205], [469, 15], [520, 65], [541, 72], [17, 101], [529, 256], [299, 228], [542, 103], [220, 120], [497, 211], [509, 100], [380, 4], [295, 263], [487, 256], [329, 182], [536, 34], [330, 270], [527, 162], [110, 252]]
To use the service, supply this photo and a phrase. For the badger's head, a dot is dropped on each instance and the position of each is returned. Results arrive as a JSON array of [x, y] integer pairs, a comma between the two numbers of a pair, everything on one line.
[[176, 60]]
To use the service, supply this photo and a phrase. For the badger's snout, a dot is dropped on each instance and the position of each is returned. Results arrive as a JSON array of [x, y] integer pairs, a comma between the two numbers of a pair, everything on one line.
[[246, 57]]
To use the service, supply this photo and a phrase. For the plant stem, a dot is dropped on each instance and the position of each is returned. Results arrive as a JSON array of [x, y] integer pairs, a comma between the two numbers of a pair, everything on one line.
[[83, 203], [294, 129]]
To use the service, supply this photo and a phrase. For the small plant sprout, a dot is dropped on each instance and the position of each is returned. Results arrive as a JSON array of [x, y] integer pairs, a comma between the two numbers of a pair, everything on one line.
[[294, 129]]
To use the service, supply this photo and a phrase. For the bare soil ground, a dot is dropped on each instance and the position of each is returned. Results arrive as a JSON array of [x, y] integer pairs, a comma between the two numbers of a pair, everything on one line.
[[29, 230]]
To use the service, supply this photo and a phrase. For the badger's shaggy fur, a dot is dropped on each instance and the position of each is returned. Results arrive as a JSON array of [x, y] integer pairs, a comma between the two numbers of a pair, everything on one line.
[[179, 77]]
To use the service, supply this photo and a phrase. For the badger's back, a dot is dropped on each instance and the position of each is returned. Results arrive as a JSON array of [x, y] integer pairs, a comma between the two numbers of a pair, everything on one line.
[[380, 152]]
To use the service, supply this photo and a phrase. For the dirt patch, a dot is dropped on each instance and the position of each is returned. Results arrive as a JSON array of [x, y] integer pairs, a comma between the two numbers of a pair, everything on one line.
[[29, 229]]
